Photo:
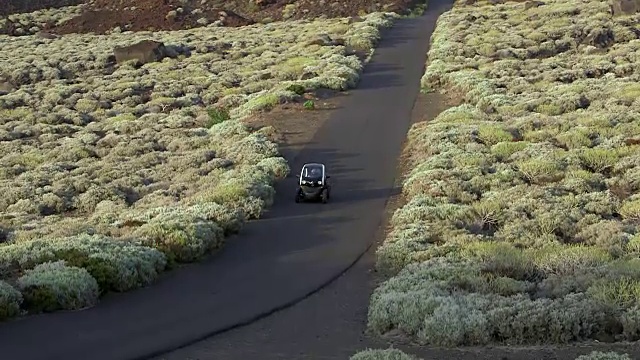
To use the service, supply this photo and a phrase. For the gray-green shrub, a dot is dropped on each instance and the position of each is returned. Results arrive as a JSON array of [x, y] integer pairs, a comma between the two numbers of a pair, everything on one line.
[[10, 301], [52, 286]]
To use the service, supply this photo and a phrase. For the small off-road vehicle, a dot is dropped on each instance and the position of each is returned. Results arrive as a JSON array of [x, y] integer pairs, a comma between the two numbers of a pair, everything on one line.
[[313, 183]]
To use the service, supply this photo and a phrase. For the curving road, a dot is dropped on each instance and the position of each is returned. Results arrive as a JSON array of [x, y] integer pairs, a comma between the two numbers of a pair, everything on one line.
[[291, 253]]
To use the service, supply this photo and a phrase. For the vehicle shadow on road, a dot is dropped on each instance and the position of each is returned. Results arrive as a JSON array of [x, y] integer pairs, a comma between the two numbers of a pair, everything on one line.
[[392, 37], [380, 67], [398, 34], [286, 207], [364, 195], [329, 157], [295, 223], [379, 81], [347, 186]]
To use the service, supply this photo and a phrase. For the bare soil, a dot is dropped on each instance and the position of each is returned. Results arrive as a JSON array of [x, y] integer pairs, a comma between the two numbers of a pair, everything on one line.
[[103, 16], [293, 124]]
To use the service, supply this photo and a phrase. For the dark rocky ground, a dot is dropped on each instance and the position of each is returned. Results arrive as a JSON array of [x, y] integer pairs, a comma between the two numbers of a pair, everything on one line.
[[104, 15]]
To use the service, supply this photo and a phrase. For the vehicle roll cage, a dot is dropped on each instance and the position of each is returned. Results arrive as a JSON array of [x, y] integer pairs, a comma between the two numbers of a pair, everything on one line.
[[304, 172]]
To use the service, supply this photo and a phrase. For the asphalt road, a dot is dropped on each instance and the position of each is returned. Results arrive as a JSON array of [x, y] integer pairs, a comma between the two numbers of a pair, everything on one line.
[[291, 253]]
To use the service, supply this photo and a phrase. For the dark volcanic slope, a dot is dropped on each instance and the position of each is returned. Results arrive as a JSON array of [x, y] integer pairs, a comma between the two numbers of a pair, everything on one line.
[[8, 7], [292, 252]]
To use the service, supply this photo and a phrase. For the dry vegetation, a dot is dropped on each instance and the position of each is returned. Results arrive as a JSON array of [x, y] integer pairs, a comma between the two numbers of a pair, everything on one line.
[[110, 174], [522, 217], [34, 22], [395, 354]]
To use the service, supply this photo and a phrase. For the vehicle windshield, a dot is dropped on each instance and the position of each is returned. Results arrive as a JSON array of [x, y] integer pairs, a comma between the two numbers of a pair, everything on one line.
[[312, 173]]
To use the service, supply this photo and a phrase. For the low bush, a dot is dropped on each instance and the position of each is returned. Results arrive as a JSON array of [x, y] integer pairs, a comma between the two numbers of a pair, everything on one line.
[[601, 355], [309, 105], [55, 286], [228, 218], [116, 265], [217, 115], [479, 294], [520, 222], [181, 238], [387, 354], [395, 354], [10, 301]]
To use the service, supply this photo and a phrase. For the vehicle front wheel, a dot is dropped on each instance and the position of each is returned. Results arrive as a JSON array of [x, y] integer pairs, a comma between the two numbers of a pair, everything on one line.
[[325, 197]]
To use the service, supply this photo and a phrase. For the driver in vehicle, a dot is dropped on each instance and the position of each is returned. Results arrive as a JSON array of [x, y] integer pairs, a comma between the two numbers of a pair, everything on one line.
[[315, 172]]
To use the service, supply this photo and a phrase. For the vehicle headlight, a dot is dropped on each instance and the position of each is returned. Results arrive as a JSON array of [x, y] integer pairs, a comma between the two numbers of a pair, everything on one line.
[[319, 182]]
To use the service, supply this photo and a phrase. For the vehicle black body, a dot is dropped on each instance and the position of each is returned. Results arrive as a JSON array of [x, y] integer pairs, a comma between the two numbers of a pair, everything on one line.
[[313, 183]]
